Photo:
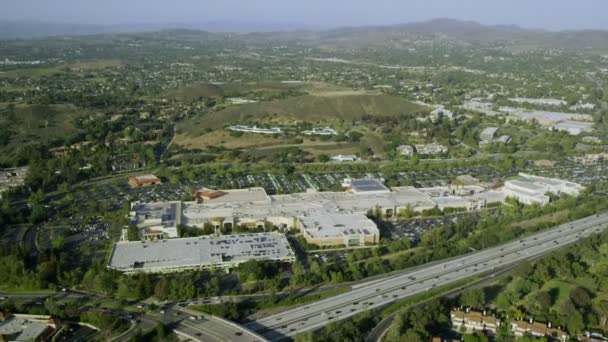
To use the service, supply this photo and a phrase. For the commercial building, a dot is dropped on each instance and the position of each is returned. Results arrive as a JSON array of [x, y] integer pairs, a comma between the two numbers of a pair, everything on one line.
[[430, 149], [480, 105], [199, 253], [503, 139], [440, 110], [324, 218], [145, 180], [339, 229], [365, 186], [345, 158], [530, 189], [321, 131], [488, 134], [405, 150], [574, 127], [583, 106], [592, 140], [573, 123], [25, 327], [156, 220], [12, 178], [591, 159], [545, 102], [344, 211], [255, 129]]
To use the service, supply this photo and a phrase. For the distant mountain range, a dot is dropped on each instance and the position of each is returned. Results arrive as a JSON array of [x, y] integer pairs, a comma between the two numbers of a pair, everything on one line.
[[458, 31], [38, 29]]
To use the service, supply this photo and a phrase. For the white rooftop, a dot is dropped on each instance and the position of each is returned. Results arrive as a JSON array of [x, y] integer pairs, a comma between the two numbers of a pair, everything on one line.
[[338, 225], [367, 185], [198, 251], [24, 328]]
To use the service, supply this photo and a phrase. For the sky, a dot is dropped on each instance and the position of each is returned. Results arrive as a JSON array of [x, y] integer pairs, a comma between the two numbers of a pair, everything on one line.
[[545, 14]]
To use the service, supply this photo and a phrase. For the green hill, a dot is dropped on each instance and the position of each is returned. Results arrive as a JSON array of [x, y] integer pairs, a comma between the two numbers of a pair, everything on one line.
[[309, 108], [23, 125]]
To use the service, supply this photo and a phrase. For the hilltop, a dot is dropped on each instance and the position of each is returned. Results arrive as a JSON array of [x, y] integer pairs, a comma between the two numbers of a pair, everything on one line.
[[311, 108]]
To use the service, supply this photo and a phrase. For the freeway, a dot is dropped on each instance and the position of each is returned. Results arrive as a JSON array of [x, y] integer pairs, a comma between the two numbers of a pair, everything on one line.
[[379, 293], [208, 328]]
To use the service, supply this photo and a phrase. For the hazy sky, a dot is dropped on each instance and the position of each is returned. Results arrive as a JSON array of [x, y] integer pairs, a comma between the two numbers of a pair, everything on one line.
[[550, 14]]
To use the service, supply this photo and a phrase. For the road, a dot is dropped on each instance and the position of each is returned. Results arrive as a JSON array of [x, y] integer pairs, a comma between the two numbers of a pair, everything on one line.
[[379, 293], [381, 329], [162, 154], [202, 327]]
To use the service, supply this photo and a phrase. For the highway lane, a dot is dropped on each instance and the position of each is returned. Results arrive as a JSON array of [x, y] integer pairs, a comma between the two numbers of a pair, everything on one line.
[[410, 283], [207, 328]]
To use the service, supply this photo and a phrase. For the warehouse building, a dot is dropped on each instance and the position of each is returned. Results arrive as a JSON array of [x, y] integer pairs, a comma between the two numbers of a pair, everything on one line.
[[197, 253]]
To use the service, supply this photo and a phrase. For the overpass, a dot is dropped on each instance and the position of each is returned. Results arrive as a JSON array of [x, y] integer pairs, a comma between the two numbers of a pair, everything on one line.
[[378, 293]]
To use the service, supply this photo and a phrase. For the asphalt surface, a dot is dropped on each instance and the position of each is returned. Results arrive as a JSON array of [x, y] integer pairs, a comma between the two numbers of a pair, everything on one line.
[[379, 293], [207, 328]]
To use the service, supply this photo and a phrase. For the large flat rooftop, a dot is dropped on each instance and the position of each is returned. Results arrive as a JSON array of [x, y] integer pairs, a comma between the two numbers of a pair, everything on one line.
[[199, 252], [250, 195], [307, 204], [368, 186], [338, 225], [156, 214]]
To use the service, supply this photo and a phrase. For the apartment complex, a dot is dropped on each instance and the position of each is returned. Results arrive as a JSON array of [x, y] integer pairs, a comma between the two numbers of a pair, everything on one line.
[[537, 329], [472, 321]]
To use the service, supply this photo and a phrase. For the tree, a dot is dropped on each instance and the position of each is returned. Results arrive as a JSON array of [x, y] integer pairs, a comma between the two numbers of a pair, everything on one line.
[[305, 337], [575, 323], [473, 297], [133, 233], [544, 300], [355, 136], [580, 297], [161, 290], [602, 310], [394, 332], [476, 337]]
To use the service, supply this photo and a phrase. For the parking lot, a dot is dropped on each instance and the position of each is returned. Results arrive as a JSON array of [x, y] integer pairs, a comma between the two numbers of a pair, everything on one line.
[[286, 184], [416, 227], [576, 172], [80, 231]]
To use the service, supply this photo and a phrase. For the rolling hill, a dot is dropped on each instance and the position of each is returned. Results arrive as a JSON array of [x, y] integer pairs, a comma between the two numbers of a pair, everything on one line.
[[311, 108]]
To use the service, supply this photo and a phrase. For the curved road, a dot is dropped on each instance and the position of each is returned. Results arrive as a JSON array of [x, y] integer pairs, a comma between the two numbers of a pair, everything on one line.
[[379, 293]]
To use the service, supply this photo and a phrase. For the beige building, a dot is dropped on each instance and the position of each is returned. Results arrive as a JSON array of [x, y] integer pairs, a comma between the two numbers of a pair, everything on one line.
[[145, 180], [339, 229], [537, 329], [472, 321]]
